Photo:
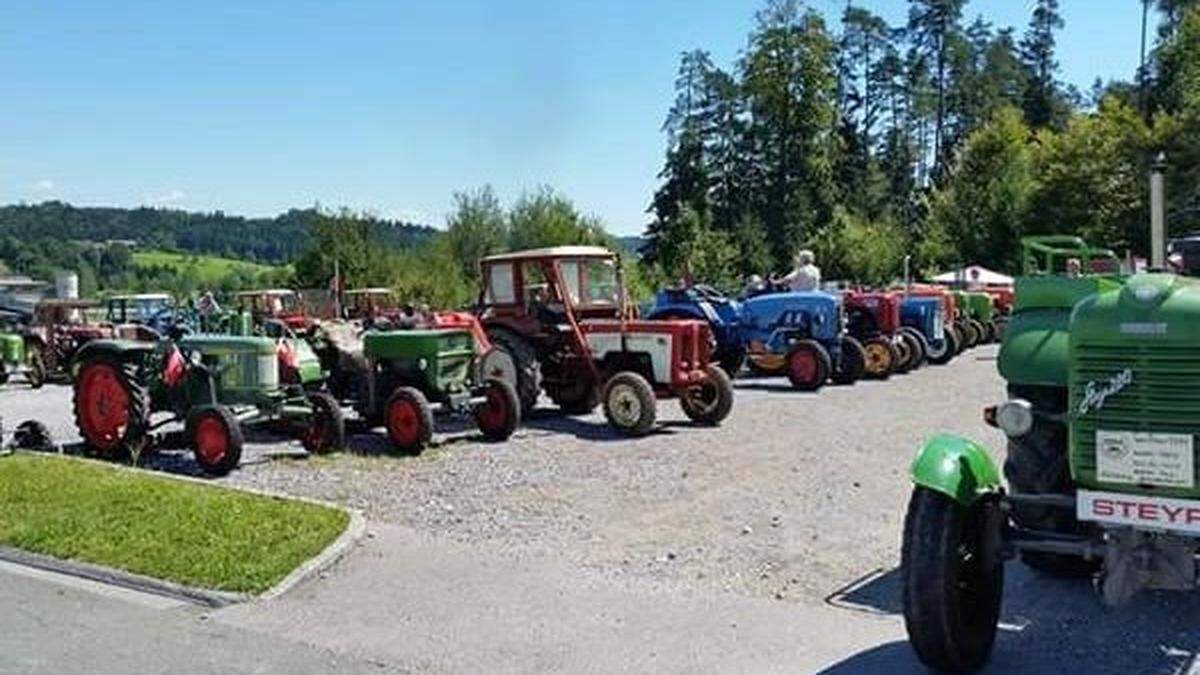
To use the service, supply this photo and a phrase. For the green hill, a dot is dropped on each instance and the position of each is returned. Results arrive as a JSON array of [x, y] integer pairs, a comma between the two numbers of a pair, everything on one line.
[[207, 269]]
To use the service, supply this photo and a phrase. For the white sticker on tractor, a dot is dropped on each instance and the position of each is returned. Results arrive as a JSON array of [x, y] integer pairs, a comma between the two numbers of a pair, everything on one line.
[[1143, 458], [1159, 513]]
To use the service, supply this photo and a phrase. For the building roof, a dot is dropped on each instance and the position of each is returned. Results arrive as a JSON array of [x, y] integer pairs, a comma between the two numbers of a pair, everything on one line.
[[553, 252]]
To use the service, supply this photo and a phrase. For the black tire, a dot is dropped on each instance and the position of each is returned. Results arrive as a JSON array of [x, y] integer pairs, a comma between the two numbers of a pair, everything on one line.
[[971, 335], [130, 442], [880, 358], [326, 431], [32, 435], [960, 338], [580, 398], [953, 580], [816, 369], [409, 420], [982, 329], [3, 378], [905, 355], [500, 416], [215, 437], [732, 360], [711, 402], [946, 349], [853, 364], [1038, 463], [630, 404], [525, 358], [919, 344]]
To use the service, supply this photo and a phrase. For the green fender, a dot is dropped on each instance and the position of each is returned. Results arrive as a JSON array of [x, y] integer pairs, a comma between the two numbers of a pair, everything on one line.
[[956, 467]]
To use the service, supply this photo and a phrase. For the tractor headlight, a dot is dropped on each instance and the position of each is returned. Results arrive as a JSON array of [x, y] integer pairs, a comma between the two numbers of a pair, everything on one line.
[[1015, 417]]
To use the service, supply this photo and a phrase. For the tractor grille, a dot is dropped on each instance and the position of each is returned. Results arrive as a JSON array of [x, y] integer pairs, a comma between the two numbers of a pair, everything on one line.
[[1163, 397]]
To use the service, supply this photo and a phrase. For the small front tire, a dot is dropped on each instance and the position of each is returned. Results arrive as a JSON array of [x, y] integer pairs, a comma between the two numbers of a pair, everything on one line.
[[710, 402], [500, 415], [409, 420], [216, 439], [808, 365], [629, 403]]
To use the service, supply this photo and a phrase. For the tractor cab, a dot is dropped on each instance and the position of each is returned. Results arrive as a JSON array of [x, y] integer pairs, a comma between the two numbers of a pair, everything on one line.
[[1067, 256], [144, 316], [539, 288], [369, 304], [278, 303]]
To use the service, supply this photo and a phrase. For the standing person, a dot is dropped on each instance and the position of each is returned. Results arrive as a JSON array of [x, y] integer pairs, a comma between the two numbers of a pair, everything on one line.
[[805, 276]]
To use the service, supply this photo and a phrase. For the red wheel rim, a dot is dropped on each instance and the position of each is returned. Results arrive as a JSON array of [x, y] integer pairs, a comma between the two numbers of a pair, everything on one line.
[[404, 422], [103, 406], [803, 365], [494, 413], [211, 439]]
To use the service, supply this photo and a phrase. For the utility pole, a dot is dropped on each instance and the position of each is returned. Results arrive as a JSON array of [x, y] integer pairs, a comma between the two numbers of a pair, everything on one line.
[[1158, 230]]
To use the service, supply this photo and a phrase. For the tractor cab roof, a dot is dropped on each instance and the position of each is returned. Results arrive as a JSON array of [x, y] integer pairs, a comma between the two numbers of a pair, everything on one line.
[[551, 252]]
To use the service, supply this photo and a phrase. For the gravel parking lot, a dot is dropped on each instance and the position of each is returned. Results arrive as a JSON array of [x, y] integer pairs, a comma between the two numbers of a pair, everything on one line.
[[796, 501]]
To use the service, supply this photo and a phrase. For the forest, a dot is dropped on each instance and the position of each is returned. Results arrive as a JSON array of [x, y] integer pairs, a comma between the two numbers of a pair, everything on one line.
[[946, 139]]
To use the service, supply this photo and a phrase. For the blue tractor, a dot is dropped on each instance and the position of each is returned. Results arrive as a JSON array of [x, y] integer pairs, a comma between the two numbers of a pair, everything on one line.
[[925, 331], [800, 335]]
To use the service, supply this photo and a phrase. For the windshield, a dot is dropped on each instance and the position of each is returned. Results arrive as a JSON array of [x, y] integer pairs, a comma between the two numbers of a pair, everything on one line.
[[148, 308], [600, 282]]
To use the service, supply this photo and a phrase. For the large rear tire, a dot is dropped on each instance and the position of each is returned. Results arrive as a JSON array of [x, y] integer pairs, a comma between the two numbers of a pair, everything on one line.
[[710, 402], [1037, 463], [881, 358], [852, 364], [216, 439], [919, 345], [629, 403], [808, 365], [112, 406], [953, 580], [525, 359]]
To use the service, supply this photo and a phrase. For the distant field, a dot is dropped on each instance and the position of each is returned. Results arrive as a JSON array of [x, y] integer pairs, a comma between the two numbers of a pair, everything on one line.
[[209, 268]]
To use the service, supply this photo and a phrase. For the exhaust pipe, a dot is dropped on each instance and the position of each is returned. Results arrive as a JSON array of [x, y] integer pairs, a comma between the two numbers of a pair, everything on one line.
[[1158, 230]]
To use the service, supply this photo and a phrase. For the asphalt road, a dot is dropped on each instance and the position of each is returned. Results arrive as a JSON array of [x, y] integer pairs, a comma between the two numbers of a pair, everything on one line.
[[767, 545]]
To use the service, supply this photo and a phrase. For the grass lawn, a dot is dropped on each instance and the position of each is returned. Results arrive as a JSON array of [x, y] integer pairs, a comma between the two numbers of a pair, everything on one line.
[[187, 533], [209, 269]]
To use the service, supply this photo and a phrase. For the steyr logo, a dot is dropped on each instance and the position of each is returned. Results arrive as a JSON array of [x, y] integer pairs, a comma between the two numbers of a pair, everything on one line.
[[1095, 394]]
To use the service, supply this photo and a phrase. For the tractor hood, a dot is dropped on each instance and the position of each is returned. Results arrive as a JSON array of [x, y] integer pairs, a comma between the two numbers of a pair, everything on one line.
[[218, 345], [771, 305], [1149, 309]]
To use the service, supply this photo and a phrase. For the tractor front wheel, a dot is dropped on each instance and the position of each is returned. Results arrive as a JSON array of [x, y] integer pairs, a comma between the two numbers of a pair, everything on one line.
[[35, 372], [881, 357], [982, 331], [971, 335], [941, 351], [953, 579], [630, 404], [409, 420], [808, 365], [919, 345], [710, 402], [216, 438], [326, 429], [111, 406], [500, 415], [852, 364]]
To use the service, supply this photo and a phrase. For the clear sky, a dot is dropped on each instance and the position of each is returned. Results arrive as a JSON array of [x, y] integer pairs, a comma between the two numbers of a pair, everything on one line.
[[390, 105]]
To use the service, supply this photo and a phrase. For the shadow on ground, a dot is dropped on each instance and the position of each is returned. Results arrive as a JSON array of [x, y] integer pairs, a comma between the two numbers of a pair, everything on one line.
[[1048, 625]]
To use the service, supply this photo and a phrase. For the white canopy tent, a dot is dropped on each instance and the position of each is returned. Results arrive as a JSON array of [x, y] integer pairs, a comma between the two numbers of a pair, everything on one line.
[[974, 275]]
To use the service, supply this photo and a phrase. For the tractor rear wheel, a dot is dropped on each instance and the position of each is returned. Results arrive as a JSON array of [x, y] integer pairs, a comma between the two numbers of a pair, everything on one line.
[[808, 365], [326, 429], [960, 338], [941, 351], [732, 360], [409, 420], [881, 358], [710, 402], [981, 328], [904, 355], [111, 406], [853, 364], [971, 336], [580, 396], [953, 580], [630, 404], [216, 439], [35, 372], [919, 344], [525, 359], [1037, 463], [499, 416]]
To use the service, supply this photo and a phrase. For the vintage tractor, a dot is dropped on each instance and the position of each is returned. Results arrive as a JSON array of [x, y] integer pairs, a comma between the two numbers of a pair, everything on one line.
[[777, 332], [1101, 421], [16, 360], [950, 311], [924, 323], [370, 305], [412, 375], [146, 316], [705, 303], [978, 317], [214, 384], [561, 314], [57, 331], [873, 318], [280, 304]]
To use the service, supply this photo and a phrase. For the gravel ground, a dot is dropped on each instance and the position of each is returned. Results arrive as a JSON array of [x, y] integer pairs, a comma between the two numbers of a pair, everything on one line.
[[793, 497]]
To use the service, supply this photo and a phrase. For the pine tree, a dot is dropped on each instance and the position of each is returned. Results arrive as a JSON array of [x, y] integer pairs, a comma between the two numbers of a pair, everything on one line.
[[933, 26], [1043, 103]]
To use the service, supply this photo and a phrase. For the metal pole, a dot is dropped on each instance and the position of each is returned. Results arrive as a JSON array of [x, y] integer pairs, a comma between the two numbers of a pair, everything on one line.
[[1158, 230], [1143, 102], [907, 274]]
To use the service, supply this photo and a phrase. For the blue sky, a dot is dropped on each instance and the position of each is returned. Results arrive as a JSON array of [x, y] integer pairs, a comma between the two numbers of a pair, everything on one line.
[[388, 106]]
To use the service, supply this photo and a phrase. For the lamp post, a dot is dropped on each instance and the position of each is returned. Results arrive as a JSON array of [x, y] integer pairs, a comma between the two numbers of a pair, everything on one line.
[[1158, 230]]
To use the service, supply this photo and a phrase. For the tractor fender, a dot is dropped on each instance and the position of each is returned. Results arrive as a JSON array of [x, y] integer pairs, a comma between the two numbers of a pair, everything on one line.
[[956, 467], [115, 347], [671, 311]]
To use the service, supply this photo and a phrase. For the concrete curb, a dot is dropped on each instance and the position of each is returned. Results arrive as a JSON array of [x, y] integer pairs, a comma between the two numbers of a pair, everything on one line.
[[355, 529]]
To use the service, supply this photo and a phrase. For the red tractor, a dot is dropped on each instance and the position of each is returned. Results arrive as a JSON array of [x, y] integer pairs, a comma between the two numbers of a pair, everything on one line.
[[58, 330], [280, 304], [873, 318], [563, 317]]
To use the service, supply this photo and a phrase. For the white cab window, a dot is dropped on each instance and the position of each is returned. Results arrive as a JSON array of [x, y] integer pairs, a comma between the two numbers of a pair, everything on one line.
[[500, 285]]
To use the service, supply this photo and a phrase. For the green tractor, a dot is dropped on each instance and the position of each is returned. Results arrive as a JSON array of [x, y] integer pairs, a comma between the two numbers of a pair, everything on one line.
[[977, 317], [215, 384], [1101, 419], [16, 359], [412, 375]]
